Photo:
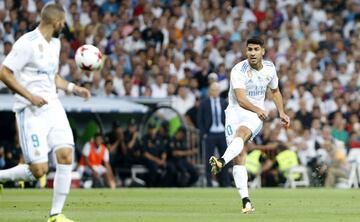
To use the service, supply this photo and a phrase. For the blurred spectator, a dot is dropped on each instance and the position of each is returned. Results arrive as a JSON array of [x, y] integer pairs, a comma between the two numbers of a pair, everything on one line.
[[284, 160], [339, 168], [95, 163], [117, 151], [132, 142], [183, 101], [159, 88]]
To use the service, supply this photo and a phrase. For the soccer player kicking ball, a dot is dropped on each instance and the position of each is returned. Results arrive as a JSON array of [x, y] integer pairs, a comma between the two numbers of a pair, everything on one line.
[[30, 70], [245, 113]]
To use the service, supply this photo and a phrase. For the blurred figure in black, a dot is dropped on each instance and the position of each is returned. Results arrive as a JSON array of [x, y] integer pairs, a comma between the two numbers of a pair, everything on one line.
[[132, 143], [180, 153], [13, 154], [117, 150], [155, 158]]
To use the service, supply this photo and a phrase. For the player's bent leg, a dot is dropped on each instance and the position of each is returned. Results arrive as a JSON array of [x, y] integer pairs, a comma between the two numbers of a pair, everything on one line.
[[62, 182], [241, 182], [234, 149], [17, 173], [24, 172]]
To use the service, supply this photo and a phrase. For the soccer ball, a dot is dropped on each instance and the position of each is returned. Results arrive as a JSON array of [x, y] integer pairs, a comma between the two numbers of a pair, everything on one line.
[[88, 57]]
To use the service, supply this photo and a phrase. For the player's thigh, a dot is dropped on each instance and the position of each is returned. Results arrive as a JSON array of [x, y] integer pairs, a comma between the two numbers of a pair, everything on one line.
[[33, 132], [241, 121], [61, 135]]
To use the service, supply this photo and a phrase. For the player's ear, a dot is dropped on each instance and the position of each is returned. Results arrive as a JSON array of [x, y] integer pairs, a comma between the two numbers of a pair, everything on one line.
[[262, 51]]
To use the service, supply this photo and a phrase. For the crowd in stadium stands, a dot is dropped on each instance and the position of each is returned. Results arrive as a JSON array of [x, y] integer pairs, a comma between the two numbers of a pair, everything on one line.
[[175, 48]]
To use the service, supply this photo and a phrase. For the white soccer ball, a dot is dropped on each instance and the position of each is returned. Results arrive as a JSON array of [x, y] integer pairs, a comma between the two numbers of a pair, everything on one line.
[[88, 57]]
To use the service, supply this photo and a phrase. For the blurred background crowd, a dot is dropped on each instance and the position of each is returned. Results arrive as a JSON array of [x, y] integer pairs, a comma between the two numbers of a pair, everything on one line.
[[177, 48]]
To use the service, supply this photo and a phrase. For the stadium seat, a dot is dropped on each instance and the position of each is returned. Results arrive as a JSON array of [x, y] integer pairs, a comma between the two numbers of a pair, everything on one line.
[[303, 181], [135, 170]]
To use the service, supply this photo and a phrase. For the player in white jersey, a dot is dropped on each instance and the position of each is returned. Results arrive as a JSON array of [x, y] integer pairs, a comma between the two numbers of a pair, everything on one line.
[[245, 113], [30, 70]]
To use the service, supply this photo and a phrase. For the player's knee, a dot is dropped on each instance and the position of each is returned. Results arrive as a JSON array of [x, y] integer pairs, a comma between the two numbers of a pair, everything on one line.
[[244, 133], [65, 156]]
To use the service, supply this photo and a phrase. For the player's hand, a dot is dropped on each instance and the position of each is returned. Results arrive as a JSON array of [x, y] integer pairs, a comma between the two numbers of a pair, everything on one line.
[[82, 92], [37, 101], [262, 114], [112, 184], [285, 120]]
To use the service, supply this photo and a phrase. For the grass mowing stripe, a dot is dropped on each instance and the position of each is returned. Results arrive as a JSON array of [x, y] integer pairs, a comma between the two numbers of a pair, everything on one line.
[[189, 205]]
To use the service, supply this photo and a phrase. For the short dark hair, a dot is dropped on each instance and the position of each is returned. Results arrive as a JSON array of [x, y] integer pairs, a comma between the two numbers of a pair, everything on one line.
[[255, 40]]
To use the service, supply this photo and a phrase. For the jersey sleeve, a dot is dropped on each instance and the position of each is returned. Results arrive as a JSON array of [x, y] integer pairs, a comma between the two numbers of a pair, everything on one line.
[[86, 150], [237, 78], [274, 81], [19, 55]]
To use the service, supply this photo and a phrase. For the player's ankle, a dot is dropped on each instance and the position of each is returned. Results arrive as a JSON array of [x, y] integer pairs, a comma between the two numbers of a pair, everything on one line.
[[245, 200], [222, 161]]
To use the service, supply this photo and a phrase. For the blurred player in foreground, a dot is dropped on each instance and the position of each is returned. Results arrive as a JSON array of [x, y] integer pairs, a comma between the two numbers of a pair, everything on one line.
[[30, 70]]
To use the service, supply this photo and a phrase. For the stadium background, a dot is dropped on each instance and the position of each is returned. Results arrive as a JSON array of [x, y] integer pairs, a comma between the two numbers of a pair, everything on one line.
[[166, 52]]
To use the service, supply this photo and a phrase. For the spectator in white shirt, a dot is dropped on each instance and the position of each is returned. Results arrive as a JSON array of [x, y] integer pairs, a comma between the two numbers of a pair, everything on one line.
[[183, 101], [159, 88]]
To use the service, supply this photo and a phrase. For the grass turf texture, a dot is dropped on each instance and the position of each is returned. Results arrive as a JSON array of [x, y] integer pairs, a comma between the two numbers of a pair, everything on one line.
[[184, 205]]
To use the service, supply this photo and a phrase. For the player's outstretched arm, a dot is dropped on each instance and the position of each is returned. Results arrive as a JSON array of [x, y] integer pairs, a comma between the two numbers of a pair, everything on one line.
[[277, 98], [71, 87], [6, 75], [246, 104]]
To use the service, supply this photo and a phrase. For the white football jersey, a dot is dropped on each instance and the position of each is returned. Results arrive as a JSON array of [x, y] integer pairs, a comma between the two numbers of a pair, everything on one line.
[[34, 62], [254, 82]]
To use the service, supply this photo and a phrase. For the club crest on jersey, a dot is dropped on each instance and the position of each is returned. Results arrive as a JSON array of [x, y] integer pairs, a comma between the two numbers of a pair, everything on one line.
[[249, 73], [41, 48]]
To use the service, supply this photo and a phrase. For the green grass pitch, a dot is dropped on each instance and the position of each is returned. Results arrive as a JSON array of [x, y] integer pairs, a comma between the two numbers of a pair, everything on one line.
[[185, 205]]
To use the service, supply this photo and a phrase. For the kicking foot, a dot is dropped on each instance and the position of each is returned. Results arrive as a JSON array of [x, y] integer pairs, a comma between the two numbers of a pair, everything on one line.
[[248, 208], [59, 218], [216, 165]]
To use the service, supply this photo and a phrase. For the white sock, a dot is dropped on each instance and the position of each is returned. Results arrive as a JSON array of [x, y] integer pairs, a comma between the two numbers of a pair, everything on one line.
[[234, 149], [241, 180], [19, 172], [62, 184]]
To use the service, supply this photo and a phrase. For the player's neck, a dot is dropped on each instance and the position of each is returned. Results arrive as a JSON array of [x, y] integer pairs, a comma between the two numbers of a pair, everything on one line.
[[258, 66], [46, 31]]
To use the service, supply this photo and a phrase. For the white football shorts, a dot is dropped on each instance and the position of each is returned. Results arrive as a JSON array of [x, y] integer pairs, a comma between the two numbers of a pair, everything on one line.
[[234, 118], [42, 130]]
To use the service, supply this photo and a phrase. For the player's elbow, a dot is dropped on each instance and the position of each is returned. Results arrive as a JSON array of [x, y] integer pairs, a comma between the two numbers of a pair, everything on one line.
[[273, 91], [1, 73], [4, 73]]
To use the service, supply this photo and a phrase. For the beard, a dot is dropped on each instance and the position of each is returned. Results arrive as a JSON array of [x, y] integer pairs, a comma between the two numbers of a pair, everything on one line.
[[58, 32]]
